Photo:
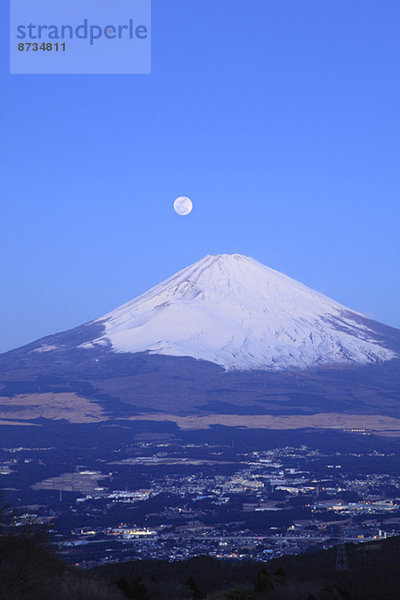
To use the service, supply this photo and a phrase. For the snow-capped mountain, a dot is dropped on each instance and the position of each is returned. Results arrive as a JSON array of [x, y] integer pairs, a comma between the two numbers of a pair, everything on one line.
[[227, 336], [237, 313]]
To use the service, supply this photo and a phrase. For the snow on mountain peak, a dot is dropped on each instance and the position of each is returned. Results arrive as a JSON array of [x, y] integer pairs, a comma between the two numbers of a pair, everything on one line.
[[231, 310]]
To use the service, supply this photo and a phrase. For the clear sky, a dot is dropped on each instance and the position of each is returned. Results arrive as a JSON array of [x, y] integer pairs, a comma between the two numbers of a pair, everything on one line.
[[279, 118]]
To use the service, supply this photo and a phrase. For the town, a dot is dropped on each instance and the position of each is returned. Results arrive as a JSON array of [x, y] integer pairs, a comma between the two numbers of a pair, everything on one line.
[[171, 499]]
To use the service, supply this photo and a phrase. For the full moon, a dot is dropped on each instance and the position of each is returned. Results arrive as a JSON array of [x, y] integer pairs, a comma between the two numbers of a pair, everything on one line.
[[183, 206]]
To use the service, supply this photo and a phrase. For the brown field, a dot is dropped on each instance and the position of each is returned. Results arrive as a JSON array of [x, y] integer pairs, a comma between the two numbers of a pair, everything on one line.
[[23, 408], [68, 406], [17, 423], [72, 482], [357, 423]]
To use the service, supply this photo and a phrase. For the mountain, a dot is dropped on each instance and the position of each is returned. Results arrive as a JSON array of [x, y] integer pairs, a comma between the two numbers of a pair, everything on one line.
[[235, 312], [227, 335]]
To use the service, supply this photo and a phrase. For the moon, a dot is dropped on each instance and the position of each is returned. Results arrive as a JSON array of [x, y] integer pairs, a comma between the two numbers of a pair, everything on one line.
[[183, 206]]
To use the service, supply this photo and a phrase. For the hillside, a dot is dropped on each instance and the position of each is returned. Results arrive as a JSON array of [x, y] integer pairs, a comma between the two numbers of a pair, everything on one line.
[[374, 575], [30, 571]]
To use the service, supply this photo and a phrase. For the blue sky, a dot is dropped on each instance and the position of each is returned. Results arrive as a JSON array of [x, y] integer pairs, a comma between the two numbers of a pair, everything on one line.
[[280, 119]]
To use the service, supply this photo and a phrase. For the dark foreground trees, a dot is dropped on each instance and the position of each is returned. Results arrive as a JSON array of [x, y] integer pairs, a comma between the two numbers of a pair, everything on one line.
[[30, 569]]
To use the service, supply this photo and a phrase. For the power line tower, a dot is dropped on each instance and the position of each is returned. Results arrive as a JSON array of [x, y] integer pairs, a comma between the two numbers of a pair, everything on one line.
[[342, 560]]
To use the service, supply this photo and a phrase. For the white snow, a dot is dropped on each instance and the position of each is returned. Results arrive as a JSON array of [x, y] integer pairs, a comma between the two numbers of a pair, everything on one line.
[[90, 345], [45, 349], [237, 313]]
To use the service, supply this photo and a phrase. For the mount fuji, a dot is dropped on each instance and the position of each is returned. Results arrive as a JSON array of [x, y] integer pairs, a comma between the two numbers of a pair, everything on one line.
[[237, 313], [226, 335]]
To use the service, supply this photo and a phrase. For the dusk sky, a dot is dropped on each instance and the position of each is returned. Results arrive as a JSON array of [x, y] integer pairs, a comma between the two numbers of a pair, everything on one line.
[[280, 120]]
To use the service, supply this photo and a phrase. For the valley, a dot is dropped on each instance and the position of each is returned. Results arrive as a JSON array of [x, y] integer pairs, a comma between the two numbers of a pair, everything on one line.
[[154, 491]]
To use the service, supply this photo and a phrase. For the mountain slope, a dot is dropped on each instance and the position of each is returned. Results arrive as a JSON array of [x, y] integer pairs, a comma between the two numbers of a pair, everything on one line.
[[225, 336], [237, 313]]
